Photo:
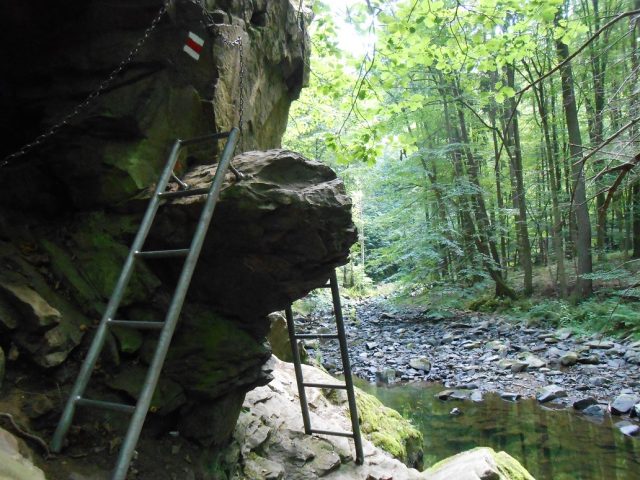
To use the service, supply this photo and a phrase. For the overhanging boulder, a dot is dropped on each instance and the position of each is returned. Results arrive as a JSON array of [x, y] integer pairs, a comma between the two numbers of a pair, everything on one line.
[[275, 235]]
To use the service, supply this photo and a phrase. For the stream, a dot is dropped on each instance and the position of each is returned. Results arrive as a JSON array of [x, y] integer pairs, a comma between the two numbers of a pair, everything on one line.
[[405, 357], [552, 444]]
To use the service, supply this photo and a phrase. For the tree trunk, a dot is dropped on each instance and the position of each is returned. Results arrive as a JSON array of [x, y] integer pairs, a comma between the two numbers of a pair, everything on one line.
[[520, 202], [584, 286], [484, 241], [557, 231]]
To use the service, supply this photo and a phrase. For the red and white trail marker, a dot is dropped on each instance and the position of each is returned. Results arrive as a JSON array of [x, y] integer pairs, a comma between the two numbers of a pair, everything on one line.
[[193, 46]]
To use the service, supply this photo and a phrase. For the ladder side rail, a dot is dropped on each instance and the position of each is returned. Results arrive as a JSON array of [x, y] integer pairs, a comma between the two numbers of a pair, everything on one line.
[[304, 406], [114, 302], [346, 366], [144, 401]]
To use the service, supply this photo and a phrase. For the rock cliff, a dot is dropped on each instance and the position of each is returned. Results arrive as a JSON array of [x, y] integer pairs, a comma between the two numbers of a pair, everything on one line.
[[56, 55], [70, 205]]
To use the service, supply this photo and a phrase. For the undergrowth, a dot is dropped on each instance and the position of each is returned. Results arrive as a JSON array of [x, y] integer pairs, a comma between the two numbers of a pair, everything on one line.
[[609, 311]]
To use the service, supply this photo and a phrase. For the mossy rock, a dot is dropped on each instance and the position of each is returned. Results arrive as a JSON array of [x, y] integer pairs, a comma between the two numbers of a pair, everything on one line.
[[167, 397], [389, 430], [102, 253], [483, 462], [211, 355]]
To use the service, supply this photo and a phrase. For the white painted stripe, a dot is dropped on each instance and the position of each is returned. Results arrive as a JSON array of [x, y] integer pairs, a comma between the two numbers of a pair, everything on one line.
[[191, 52], [196, 38]]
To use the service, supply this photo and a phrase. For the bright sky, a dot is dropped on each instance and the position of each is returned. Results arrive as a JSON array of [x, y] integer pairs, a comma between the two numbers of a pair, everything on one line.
[[348, 38]]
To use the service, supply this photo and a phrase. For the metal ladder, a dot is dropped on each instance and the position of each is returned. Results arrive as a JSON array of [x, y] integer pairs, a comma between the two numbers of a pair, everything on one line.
[[167, 327], [346, 367]]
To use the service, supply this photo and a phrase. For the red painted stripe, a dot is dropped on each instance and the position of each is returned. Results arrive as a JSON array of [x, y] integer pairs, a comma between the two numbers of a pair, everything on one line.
[[194, 46]]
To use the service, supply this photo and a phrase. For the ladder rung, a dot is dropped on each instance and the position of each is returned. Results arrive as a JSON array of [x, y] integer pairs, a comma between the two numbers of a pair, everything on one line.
[[140, 325], [337, 386], [117, 407], [316, 335], [184, 193], [183, 252], [330, 432]]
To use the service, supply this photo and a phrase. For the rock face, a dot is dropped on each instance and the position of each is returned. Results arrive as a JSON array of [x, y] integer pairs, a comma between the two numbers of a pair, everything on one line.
[[116, 145], [274, 237]]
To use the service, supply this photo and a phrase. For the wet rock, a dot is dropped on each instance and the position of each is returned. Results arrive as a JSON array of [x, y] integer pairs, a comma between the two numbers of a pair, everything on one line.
[[600, 344], [623, 404], [549, 393], [569, 359], [386, 376], [636, 410], [455, 411], [589, 359], [476, 396], [563, 333], [453, 395], [371, 345], [583, 403], [505, 363], [629, 429], [598, 381], [594, 411], [510, 396], [495, 345], [533, 362], [421, 363]]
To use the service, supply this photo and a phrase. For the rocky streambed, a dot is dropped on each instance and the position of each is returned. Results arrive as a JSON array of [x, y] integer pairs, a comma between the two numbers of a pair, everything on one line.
[[473, 354]]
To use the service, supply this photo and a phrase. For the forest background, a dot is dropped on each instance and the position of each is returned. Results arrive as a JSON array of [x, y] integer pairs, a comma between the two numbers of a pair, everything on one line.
[[489, 145]]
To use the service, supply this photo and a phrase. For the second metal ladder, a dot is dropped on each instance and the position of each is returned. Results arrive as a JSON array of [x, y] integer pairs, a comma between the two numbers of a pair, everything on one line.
[[166, 327], [346, 367]]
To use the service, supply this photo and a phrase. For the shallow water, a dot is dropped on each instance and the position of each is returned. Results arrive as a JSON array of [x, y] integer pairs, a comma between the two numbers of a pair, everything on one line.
[[551, 444]]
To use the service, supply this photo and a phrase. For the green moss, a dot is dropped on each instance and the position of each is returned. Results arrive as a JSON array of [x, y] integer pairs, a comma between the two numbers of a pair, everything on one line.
[[389, 430], [506, 467], [101, 256], [210, 350], [511, 468], [65, 268]]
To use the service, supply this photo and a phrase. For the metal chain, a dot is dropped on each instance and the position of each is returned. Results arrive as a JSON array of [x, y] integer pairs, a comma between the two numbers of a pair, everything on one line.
[[93, 95]]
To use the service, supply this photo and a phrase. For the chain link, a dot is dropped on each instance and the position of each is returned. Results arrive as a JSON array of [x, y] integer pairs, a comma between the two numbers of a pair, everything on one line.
[[39, 140]]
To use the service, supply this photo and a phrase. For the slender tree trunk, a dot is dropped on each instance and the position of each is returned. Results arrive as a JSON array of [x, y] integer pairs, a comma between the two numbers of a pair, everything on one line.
[[499, 198], [484, 241], [520, 201], [598, 57], [635, 110], [584, 286], [557, 231]]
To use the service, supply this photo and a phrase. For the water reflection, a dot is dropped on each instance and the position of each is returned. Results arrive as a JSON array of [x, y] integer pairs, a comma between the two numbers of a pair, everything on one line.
[[551, 444]]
